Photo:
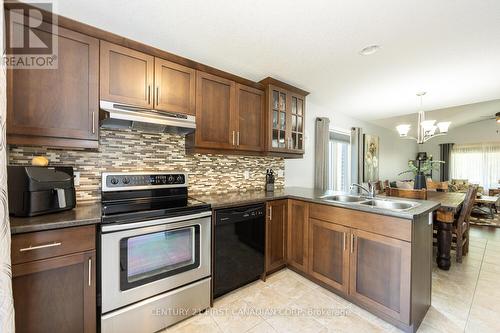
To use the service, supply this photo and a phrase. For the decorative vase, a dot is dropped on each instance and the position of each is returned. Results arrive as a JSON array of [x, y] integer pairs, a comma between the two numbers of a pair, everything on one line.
[[420, 181]]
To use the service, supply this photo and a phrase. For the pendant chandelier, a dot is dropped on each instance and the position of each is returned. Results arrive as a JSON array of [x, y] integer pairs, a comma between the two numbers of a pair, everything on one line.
[[426, 129]]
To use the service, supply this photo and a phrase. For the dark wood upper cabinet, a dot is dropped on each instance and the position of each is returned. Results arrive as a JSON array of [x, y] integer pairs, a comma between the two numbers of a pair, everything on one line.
[[57, 107], [175, 87], [285, 117], [275, 235], [215, 112], [329, 254], [56, 293], [126, 75], [229, 116], [297, 234], [380, 271], [250, 118]]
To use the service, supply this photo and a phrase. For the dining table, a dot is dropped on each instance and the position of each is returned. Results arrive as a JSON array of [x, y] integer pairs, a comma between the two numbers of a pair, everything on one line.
[[451, 203]]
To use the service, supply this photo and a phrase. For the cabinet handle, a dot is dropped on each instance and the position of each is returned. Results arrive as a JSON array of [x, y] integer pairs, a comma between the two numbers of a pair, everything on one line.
[[270, 213], [352, 243], [157, 95], [44, 246], [238, 138], [233, 137], [149, 94], [90, 272], [344, 241], [93, 122]]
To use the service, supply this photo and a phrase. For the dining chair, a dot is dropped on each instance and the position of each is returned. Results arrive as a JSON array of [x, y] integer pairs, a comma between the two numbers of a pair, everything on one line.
[[461, 225], [407, 193], [437, 186]]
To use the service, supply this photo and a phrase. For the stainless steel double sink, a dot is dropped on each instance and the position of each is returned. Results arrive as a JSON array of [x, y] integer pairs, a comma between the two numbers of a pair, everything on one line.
[[389, 204]]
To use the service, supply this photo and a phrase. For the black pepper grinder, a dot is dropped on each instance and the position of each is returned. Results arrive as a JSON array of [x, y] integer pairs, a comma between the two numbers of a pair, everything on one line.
[[269, 180]]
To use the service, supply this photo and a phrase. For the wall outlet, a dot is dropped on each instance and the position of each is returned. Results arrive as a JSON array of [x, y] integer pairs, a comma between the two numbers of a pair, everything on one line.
[[77, 178], [246, 174], [280, 173]]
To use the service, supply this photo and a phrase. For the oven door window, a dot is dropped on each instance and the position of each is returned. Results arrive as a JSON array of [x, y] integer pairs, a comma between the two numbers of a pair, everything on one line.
[[149, 257]]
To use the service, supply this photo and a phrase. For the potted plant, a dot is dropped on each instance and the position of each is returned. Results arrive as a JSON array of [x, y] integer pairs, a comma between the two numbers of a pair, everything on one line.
[[421, 170]]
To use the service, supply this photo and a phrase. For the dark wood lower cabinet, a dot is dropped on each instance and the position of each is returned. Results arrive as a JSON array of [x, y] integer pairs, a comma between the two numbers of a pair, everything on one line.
[[275, 235], [297, 238], [329, 254], [380, 273], [56, 294], [385, 268]]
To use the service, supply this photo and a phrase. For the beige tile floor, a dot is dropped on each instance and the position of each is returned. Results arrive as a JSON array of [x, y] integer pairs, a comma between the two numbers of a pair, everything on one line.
[[464, 299]]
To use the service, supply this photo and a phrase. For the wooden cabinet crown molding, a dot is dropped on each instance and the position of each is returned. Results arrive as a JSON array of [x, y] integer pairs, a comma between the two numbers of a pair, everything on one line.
[[110, 37], [283, 85], [123, 60]]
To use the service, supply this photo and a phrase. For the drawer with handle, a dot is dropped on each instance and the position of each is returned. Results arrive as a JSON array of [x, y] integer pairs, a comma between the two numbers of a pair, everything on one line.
[[51, 243]]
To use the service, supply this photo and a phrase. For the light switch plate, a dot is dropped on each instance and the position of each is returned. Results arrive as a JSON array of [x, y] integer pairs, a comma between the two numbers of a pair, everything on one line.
[[77, 178], [246, 174], [280, 173]]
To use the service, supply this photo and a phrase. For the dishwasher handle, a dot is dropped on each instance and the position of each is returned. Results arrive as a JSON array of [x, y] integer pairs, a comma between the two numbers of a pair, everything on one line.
[[239, 214]]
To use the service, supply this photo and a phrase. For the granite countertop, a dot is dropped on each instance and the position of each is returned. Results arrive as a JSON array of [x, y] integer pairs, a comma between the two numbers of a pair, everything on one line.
[[90, 213], [83, 214], [311, 195]]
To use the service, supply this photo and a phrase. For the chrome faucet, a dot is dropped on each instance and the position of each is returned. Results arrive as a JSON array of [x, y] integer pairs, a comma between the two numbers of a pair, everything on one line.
[[370, 190]]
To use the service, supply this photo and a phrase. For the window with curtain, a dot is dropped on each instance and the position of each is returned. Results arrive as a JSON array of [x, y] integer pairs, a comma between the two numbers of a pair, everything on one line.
[[339, 154], [479, 163]]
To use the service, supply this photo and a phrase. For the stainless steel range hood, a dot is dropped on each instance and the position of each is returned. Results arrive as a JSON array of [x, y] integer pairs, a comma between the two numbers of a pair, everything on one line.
[[118, 116]]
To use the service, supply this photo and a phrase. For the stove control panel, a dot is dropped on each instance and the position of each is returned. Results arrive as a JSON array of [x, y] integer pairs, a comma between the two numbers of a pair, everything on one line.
[[130, 181]]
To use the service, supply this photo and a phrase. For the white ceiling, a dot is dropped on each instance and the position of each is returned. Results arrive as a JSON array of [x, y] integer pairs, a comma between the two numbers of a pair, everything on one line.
[[449, 48]]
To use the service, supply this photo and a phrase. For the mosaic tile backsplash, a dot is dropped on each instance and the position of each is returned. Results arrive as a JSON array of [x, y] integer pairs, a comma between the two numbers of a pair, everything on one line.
[[129, 150]]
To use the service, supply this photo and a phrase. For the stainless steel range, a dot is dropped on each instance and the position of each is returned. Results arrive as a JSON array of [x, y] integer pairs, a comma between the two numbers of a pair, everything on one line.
[[155, 252]]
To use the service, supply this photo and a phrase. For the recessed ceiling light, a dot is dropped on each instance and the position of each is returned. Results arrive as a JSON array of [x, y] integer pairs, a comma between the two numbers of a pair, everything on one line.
[[369, 50]]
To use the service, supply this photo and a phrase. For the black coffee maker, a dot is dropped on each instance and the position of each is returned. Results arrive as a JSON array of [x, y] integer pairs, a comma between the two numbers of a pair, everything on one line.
[[269, 180]]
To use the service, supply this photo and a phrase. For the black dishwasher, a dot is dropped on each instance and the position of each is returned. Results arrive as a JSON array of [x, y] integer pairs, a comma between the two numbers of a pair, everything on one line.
[[239, 247]]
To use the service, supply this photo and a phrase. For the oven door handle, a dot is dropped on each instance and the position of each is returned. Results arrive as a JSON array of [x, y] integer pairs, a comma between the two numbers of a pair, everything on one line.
[[135, 225]]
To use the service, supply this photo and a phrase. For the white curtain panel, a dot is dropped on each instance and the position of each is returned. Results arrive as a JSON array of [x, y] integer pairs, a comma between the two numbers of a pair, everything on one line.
[[479, 163], [6, 301], [321, 160]]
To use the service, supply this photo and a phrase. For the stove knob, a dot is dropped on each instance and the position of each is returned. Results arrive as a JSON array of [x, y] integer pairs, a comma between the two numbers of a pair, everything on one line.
[[180, 180], [125, 181], [114, 181], [170, 179]]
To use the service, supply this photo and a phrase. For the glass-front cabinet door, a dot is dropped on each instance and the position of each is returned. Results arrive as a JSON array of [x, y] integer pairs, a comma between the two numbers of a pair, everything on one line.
[[285, 117], [297, 121], [279, 106]]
